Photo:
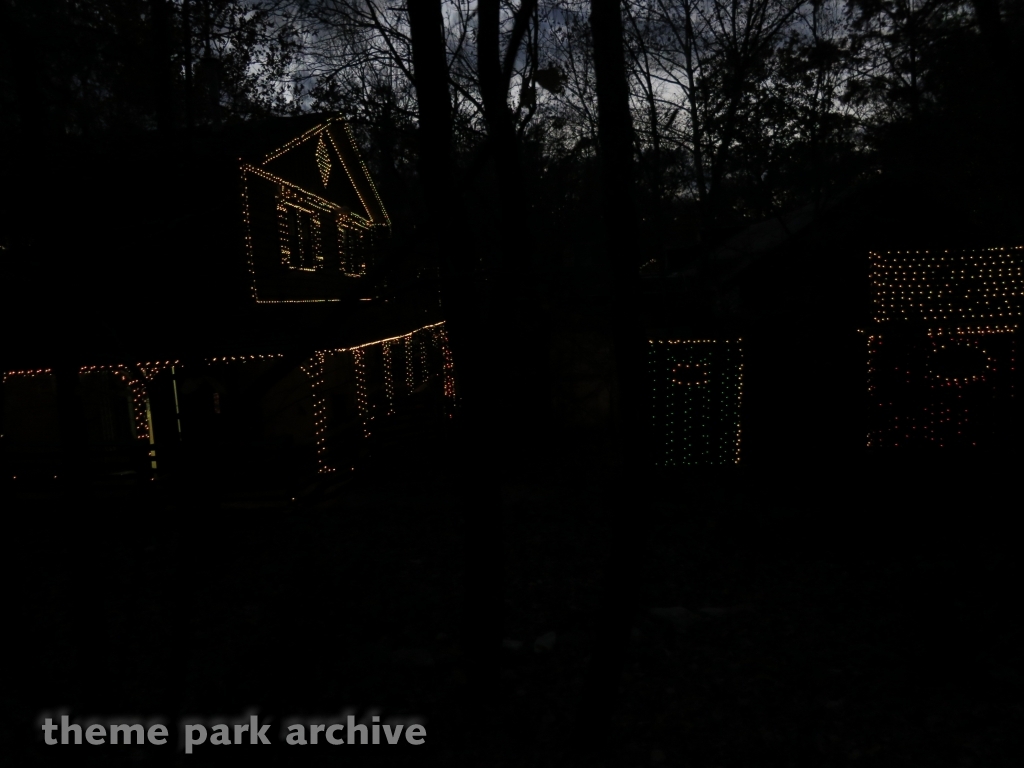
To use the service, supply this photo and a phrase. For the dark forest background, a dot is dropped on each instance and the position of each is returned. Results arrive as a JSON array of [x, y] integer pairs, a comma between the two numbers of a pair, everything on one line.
[[740, 110], [536, 150]]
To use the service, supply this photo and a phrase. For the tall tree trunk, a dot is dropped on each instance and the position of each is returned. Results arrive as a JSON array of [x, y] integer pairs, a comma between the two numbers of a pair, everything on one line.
[[516, 323], [685, 39], [641, 58], [494, 93], [990, 23], [628, 511], [999, 44], [695, 119], [186, 23], [498, 251], [473, 353], [163, 91]]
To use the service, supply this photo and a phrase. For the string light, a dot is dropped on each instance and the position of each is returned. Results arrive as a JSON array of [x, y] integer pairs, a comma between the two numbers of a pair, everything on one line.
[[696, 394], [926, 307], [303, 216], [902, 368], [440, 336], [364, 175], [247, 228], [389, 379], [244, 358], [323, 159], [314, 131], [33, 372], [410, 375], [151, 370], [362, 401], [303, 219], [137, 390], [348, 153], [960, 287], [424, 368], [295, 301], [142, 419], [316, 368], [355, 240]]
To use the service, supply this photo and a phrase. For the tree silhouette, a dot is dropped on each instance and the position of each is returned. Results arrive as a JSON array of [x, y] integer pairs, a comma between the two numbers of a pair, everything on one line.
[[626, 498], [470, 323]]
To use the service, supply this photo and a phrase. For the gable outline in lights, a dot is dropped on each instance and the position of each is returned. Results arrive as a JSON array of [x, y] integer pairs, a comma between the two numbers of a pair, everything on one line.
[[352, 226]]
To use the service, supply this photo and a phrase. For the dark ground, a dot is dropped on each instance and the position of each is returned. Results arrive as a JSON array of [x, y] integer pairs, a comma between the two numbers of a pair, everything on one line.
[[855, 615]]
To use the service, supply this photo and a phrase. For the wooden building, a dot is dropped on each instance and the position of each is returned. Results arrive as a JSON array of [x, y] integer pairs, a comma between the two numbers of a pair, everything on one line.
[[941, 346], [227, 299], [871, 324]]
